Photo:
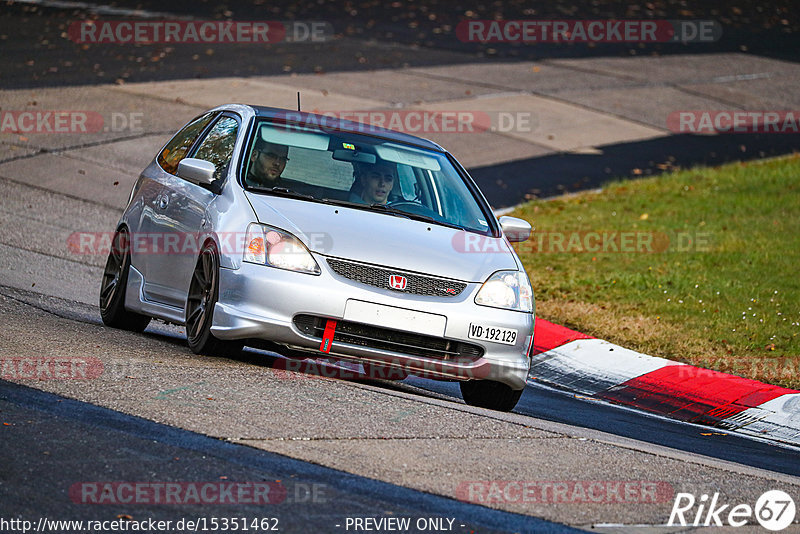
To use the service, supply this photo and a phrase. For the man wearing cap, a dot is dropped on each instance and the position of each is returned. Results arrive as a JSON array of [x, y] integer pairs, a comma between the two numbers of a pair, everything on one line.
[[267, 162]]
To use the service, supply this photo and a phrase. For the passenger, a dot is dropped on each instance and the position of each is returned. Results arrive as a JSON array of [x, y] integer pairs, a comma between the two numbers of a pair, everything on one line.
[[373, 183], [267, 162]]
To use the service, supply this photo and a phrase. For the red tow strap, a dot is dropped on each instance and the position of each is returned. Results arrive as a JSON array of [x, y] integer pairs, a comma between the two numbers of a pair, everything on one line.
[[327, 336]]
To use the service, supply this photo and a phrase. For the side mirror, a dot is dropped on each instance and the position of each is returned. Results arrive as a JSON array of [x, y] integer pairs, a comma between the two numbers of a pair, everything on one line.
[[516, 230], [198, 171]]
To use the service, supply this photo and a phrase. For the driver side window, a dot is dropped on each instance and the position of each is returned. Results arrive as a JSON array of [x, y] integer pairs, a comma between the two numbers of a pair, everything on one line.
[[218, 145]]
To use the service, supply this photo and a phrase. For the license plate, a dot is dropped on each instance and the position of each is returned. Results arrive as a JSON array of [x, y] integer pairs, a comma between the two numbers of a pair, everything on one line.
[[506, 336], [396, 318]]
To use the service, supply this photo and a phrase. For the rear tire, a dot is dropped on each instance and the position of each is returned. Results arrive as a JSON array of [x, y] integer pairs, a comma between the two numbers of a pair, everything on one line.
[[114, 285], [489, 394], [203, 296]]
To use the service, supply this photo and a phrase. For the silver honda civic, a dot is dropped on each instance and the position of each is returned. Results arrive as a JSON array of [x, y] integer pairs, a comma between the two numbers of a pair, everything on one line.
[[325, 238]]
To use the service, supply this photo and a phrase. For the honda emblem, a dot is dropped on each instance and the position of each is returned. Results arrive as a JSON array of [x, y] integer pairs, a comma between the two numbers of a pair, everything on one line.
[[397, 282]]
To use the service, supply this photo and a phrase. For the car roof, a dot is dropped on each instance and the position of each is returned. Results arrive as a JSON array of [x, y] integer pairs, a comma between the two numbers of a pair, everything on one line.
[[343, 125]]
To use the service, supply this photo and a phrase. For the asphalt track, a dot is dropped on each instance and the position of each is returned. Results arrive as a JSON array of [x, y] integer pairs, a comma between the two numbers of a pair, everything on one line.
[[67, 442], [550, 404], [540, 402], [426, 29], [54, 442]]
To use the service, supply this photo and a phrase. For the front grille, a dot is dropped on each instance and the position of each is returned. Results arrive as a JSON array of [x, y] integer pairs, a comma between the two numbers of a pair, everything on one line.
[[391, 340], [417, 284]]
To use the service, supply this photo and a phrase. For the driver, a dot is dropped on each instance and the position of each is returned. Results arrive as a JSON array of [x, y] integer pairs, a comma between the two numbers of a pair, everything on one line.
[[376, 182], [266, 164]]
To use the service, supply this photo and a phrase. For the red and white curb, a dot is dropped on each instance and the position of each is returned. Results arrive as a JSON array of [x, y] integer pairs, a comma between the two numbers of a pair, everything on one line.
[[570, 360]]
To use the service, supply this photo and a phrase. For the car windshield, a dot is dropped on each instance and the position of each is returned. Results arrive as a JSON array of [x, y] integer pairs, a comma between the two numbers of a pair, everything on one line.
[[362, 172]]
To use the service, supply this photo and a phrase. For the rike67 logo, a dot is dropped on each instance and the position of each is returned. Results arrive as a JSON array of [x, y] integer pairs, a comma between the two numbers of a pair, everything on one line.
[[774, 510]]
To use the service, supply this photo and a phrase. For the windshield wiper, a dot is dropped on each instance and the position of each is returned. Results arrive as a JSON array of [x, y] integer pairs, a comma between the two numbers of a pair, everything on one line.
[[390, 210], [283, 191], [414, 216], [434, 220]]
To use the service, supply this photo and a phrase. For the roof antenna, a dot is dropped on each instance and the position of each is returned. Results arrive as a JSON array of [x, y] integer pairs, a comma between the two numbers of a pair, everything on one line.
[[298, 100]]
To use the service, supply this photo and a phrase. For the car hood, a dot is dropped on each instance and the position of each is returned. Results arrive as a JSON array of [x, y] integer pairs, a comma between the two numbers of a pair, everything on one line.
[[384, 239]]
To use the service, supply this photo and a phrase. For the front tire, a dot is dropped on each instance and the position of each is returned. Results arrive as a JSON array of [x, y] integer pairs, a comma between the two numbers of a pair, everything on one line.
[[203, 296], [114, 286], [489, 394]]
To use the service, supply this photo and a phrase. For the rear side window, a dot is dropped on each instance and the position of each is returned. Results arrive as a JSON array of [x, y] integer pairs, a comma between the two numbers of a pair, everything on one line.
[[179, 145]]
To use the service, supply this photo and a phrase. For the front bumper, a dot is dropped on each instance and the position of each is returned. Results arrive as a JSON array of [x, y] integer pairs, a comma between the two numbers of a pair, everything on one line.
[[260, 302]]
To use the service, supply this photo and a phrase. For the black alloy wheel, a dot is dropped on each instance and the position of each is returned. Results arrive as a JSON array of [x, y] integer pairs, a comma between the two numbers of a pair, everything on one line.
[[203, 296], [114, 285]]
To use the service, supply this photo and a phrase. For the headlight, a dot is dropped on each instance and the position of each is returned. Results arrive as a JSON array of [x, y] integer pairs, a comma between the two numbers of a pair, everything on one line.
[[507, 289], [274, 247]]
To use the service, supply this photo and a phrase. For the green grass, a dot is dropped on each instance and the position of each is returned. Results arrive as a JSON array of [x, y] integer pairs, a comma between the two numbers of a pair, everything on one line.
[[730, 301]]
